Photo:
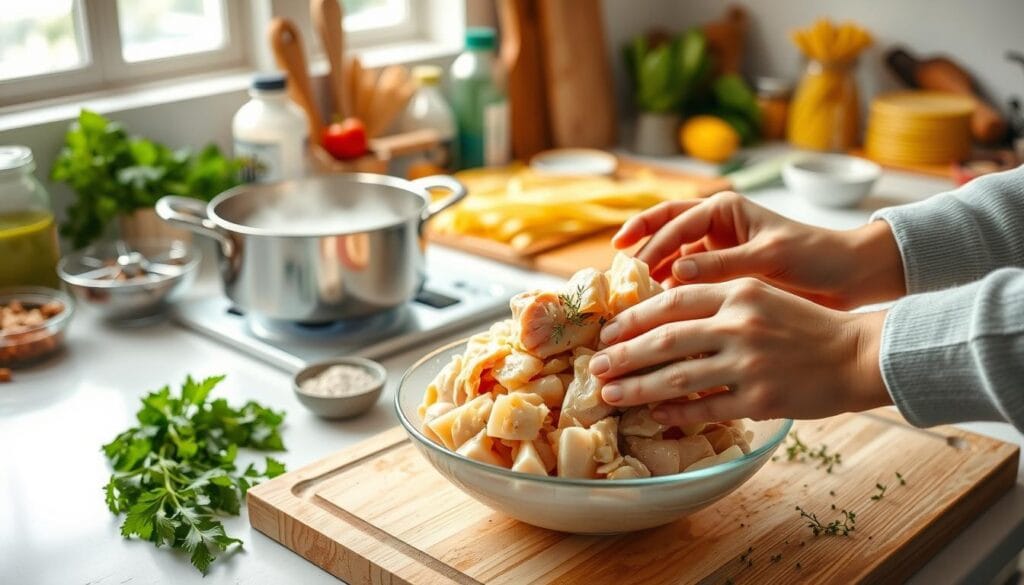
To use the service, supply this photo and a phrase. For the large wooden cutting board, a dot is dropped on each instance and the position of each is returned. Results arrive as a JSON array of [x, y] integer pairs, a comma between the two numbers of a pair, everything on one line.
[[555, 254], [378, 513]]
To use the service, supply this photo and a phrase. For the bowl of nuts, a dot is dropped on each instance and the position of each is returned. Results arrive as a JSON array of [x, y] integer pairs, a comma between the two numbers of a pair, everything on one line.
[[33, 321]]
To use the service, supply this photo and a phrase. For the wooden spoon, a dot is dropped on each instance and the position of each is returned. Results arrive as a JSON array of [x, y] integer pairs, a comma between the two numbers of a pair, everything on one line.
[[366, 85], [287, 46], [327, 18], [385, 97], [353, 72], [390, 108]]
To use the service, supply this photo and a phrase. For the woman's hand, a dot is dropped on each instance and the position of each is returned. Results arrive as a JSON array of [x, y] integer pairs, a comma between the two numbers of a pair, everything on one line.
[[727, 236], [779, 355]]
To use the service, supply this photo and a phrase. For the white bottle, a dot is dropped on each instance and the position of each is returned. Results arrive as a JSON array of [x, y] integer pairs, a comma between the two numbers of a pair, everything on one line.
[[429, 110], [270, 132]]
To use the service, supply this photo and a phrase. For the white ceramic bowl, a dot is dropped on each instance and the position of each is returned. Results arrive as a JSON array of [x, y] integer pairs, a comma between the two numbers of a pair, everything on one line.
[[831, 180], [583, 506]]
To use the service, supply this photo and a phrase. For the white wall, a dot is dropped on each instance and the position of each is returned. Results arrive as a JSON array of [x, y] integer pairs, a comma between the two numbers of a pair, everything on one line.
[[976, 33]]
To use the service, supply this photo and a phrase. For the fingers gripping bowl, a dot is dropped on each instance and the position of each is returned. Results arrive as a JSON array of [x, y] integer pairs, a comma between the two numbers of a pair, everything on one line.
[[553, 454]]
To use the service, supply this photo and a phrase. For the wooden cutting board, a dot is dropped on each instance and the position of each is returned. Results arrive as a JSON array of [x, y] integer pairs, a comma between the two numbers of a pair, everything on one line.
[[558, 254], [521, 52], [578, 78], [379, 513]]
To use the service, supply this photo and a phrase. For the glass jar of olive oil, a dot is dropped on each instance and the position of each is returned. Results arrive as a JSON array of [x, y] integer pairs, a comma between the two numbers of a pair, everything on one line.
[[28, 232]]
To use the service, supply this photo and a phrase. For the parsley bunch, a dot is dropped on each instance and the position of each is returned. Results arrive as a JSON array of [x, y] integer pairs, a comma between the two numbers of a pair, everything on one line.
[[175, 472]]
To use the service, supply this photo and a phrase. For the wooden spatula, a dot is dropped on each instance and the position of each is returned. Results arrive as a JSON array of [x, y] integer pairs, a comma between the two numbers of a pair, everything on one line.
[[287, 47], [327, 18]]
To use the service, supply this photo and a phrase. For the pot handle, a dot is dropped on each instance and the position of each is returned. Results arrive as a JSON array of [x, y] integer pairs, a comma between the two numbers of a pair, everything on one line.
[[458, 193], [190, 214]]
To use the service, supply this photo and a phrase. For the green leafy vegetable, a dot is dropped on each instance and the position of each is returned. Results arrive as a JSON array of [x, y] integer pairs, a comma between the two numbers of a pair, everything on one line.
[[115, 174], [667, 74], [175, 473]]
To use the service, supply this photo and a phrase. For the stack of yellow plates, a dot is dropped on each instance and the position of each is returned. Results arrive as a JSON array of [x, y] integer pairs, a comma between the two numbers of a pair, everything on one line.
[[919, 127]]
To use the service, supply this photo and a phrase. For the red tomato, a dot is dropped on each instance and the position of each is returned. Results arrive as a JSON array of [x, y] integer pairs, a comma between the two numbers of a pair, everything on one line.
[[345, 140]]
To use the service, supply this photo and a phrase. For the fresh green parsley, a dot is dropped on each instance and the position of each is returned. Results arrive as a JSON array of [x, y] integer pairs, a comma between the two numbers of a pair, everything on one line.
[[175, 474]]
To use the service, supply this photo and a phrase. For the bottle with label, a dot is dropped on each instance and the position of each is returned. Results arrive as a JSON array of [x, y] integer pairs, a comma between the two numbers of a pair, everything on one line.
[[28, 233], [270, 132], [429, 110], [480, 103]]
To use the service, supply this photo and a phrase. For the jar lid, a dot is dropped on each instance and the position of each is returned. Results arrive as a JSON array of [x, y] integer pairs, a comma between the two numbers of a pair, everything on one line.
[[480, 37], [427, 74], [14, 158], [773, 86], [269, 81]]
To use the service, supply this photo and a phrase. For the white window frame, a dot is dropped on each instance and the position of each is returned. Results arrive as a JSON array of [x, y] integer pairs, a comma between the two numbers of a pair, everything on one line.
[[96, 23]]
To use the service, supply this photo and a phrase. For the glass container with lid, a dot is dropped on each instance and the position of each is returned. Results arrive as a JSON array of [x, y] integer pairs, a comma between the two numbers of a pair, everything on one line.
[[28, 231]]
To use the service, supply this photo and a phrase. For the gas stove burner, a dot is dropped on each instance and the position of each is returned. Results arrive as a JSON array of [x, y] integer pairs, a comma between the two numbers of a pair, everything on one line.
[[446, 304], [364, 329]]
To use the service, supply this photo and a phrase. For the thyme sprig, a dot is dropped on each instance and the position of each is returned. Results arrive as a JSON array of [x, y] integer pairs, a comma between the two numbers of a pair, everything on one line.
[[840, 527], [572, 303], [797, 450]]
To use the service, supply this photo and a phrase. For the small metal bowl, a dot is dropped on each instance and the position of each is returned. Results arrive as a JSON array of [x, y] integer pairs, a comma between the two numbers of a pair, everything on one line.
[[341, 406], [92, 276]]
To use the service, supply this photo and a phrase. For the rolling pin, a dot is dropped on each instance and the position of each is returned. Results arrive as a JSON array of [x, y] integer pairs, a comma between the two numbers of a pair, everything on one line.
[[943, 74]]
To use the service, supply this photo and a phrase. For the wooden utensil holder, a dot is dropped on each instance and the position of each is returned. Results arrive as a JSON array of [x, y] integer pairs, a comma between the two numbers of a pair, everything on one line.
[[382, 151]]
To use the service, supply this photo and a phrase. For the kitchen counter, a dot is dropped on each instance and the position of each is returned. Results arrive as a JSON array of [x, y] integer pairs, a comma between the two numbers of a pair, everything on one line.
[[54, 525]]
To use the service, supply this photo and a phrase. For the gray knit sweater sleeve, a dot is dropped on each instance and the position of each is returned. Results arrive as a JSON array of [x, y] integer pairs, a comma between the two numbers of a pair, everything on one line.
[[956, 353]]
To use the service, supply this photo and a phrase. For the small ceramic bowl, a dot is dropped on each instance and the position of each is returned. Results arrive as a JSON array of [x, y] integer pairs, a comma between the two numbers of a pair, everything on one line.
[[341, 406], [831, 180], [574, 162]]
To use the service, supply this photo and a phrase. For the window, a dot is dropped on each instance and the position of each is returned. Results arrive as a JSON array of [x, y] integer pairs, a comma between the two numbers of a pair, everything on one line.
[[39, 37], [158, 29], [366, 15], [52, 47]]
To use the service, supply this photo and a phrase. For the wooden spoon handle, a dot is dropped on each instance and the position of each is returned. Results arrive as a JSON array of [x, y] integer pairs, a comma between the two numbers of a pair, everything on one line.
[[287, 46], [327, 18]]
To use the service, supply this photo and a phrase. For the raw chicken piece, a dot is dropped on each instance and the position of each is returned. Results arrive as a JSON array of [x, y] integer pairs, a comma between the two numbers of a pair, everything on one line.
[[516, 369], [729, 454], [583, 404], [549, 388], [631, 468], [576, 453], [660, 456], [458, 425], [480, 449], [516, 417], [629, 283], [543, 328], [528, 460], [637, 422]]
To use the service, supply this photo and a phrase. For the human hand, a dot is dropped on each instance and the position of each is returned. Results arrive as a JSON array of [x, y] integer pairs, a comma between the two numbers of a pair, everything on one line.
[[779, 355], [727, 236]]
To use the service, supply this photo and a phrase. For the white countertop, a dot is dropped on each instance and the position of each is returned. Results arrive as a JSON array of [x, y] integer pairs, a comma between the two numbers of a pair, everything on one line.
[[54, 525]]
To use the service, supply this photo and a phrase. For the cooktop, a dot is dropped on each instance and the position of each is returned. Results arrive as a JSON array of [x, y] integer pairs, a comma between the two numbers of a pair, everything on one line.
[[445, 305]]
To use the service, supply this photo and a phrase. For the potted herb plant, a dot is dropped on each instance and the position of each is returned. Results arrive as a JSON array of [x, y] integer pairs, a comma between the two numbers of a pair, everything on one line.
[[665, 73], [120, 177]]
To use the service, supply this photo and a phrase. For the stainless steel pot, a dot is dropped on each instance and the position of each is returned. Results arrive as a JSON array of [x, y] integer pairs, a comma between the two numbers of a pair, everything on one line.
[[321, 248]]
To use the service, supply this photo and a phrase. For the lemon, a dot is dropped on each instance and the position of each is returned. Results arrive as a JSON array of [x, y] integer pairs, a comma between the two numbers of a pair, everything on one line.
[[709, 138]]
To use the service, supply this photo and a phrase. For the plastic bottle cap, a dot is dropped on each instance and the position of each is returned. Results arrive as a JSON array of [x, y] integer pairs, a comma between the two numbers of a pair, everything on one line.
[[427, 74], [270, 81], [14, 158], [480, 37]]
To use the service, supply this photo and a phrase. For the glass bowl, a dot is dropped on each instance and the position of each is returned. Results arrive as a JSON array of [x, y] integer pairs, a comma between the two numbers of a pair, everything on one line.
[[92, 276], [34, 343], [582, 506]]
